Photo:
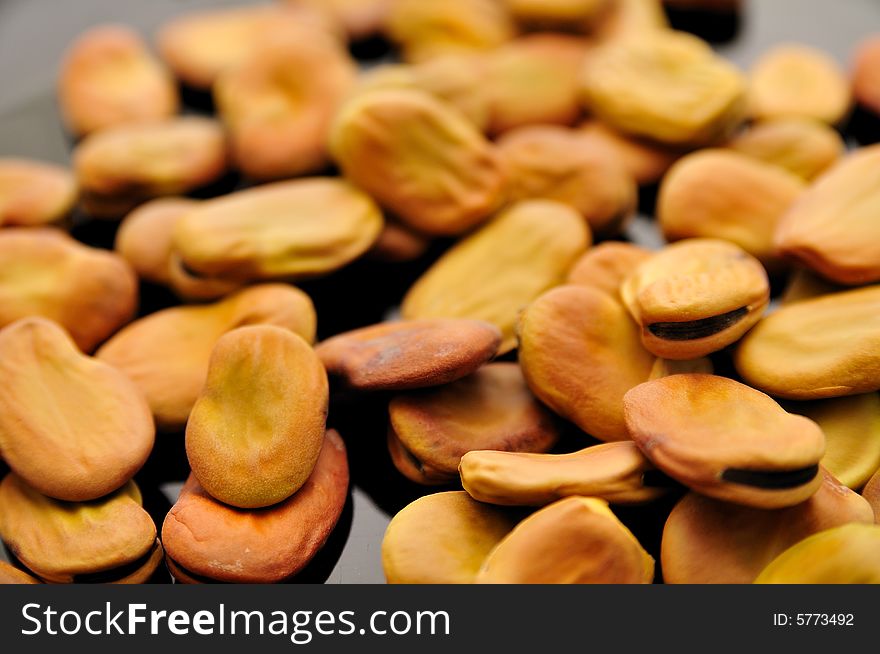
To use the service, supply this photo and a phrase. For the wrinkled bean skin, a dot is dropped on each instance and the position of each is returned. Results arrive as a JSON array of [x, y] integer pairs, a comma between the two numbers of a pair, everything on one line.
[[166, 353], [457, 79], [44, 272], [797, 80], [707, 541], [577, 540], [696, 297], [844, 555], [580, 353], [71, 426], [556, 163], [208, 541], [64, 542], [852, 434], [278, 115], [201, 45], [614, 472], [831, 228], [409, 354], [442, 539], [108, 77], [803, 146], [644, 160], [533, 80], [420, 159], [666, 86], [816, 348], [282, 231], [702, 196], [144, 239], [492, 409], [255, 433], [496, 271], [726, 440], [34, 193], [121, 167], [425, 29]]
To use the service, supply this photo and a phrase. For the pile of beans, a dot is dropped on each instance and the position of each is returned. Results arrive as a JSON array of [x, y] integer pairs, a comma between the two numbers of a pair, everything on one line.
[[543, 384]]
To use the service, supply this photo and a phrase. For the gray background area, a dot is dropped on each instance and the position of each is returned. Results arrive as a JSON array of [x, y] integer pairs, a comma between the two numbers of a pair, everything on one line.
[[33, 35]]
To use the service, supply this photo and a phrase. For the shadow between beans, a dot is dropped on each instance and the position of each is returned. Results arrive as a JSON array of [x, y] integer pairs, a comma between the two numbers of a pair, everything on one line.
[[362, 421], [319, 568], [714, 26], [863, 126]]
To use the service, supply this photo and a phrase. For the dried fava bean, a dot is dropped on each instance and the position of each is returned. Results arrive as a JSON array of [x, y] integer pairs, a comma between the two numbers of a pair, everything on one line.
[[822, 347], [534, 80], [34, 193], [11, 575], [410, 353], [396, 244], [498, 270], [461, 81], [458, 80], [646, 162], [73, 427], [207, 541], [420, 159], [442, 539], [112, 539], [871, 493], [277, 113], [144, 236], [667, 86], [615, 472], [166, 353], [605, 266], [797, 80], [866, 74], [492, 409], [198, 46], [580, 353], [359, 18], [703, 195], [706, 541], [108, 77], [121, 167], [695, 297], [803, 146], [286, 230], [255, 432], [803, 284], [577, 540], [833, 227], [44, 272], [558, 14], [555, 163], [144, 240], [852, 435], [849, 554], [427, 28], [726, 440]]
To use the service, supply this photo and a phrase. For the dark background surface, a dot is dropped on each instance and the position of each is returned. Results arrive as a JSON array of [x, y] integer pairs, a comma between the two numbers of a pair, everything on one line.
[[33, 35]]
